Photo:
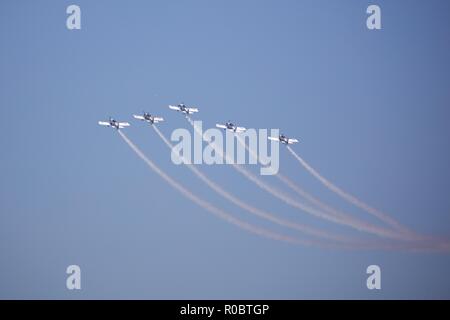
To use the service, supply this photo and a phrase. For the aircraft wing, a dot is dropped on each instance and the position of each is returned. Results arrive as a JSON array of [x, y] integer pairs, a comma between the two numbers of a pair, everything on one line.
[[175, 108], [123, 124], [138, 117], [240, 129], [291, 141], [192, 110], [104, 123], [274, 139], [221, 126], [158, 119]]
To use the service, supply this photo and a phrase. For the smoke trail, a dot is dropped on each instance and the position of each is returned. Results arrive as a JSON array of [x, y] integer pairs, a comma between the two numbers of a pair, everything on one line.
[[293, 186], [219, 212], [307, 196], [411, 235], [260, 213], [250, 151], [264, 232], [339, 219], [353, 200]]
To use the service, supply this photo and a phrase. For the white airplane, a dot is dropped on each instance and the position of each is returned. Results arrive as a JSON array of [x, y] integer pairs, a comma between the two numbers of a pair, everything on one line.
[[149, 118], [114, 124], [183, 108], [283, 139], [230, 126]]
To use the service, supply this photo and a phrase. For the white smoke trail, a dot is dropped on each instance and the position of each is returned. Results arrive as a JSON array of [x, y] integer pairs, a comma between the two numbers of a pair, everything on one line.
[[351, 199], [293, 186], [260, 213], [264, 232], [340, 219], [307, 196], [304, 194], [323, 206], [213, 209]]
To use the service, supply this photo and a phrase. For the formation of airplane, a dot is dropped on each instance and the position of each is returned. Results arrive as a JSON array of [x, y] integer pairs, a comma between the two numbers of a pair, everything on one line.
[[283, 139], [230, 126], [114, 124], [149, 118], [188, 110], [183, 108]]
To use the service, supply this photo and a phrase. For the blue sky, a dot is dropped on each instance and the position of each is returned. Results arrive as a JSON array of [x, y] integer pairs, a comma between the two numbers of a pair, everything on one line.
[[371, 109]]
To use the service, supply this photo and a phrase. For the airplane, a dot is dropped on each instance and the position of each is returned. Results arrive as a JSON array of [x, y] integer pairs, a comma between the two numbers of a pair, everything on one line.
[[283, 139], [114, 124], [148, 117], [183, 108], [230, 126]]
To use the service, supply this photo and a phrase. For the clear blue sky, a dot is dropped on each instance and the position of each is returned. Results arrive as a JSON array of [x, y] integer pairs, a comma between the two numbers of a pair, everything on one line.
[[371, 109]]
